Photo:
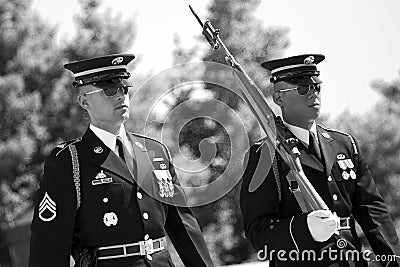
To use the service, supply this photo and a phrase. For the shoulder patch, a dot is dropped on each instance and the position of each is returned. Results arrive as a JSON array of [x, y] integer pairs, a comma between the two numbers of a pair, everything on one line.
[[66, 144], [346, 134]]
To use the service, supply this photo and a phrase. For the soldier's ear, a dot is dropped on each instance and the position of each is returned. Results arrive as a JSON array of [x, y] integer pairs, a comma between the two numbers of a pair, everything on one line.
[[83, 102], [277, 97]]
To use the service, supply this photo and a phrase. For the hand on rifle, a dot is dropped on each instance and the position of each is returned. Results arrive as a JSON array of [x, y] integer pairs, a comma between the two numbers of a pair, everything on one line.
[[322, 224]]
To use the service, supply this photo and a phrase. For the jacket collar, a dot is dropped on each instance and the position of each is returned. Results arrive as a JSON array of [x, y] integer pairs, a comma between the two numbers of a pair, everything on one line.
[[143, 158], [101, 155], [329, 150]]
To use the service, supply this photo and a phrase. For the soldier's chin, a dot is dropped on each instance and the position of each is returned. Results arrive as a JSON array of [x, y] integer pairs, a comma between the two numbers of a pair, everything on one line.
[[315, 111]]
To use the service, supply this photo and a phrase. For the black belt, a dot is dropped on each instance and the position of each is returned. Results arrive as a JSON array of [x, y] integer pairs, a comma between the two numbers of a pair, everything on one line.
[[141, 248]]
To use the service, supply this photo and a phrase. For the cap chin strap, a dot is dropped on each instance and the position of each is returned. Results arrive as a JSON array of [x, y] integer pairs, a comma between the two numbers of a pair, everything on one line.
[[290, 75], [101, 78]]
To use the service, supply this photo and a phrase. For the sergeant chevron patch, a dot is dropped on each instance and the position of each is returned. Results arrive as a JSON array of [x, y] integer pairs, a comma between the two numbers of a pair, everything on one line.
[[47, 209]]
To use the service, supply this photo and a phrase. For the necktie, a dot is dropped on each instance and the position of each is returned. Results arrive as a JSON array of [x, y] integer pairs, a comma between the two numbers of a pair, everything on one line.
[[120, 149], [129, 161], [313, 146]]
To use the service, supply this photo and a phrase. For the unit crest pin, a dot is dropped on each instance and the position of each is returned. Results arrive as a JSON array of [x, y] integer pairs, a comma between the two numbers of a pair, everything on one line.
[[98, 150], [326, 135]]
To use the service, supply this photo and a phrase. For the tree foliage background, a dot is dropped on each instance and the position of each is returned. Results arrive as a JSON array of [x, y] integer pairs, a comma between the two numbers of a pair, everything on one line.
[[38, 110]]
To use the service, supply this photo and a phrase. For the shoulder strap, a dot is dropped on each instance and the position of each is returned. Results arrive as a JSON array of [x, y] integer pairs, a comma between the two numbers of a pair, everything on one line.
[[76, 173], [348, 135]]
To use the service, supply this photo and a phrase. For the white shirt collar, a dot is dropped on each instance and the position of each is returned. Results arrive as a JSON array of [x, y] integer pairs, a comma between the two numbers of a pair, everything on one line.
[[302, 133], [110, 139]]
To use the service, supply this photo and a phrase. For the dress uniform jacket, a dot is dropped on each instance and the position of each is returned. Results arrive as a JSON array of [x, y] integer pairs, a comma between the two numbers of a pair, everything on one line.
[[138, 210], [273, 219]]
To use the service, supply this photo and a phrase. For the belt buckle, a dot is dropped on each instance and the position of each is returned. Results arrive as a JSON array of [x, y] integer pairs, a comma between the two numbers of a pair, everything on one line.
[[146, 247], [344, 223]]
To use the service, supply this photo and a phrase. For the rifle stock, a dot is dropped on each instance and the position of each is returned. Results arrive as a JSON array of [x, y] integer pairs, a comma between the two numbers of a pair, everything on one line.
[[283, 141]]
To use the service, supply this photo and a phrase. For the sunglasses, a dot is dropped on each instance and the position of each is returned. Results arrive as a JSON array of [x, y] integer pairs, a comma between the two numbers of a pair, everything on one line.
[[304, 90], [110, 92]]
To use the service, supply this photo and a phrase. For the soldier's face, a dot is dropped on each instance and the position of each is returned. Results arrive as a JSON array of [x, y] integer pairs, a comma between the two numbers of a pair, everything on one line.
[[297, 109], [103, 110]]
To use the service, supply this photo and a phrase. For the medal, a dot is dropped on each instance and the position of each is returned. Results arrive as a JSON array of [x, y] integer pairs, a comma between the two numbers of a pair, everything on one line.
[[164, 180], [342, 164], [345, 175], [353, 174]]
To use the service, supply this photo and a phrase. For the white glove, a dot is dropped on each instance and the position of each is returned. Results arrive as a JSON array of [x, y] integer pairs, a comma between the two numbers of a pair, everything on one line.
[[322, 224]]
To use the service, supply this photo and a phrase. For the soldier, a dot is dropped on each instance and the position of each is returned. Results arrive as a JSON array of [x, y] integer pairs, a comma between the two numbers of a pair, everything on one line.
[[333, 163], [108, 198]]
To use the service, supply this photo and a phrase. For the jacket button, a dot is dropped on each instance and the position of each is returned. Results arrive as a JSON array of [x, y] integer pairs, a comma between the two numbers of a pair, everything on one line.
[[139, 195], [334, 196], [329, 179], [145, 215], [105, 200], [146, 237]]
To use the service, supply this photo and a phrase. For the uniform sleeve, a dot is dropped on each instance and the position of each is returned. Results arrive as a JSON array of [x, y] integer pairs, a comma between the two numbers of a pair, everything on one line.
[[260, 209], [184, 231], [54, 214], [371, 213]]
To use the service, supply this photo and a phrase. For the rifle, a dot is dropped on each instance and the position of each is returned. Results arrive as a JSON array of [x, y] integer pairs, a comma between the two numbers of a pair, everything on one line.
[[283, 141]]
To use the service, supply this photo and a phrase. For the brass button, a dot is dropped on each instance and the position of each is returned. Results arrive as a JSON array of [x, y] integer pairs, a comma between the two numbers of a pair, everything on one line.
[[145, 215], [139, 195]]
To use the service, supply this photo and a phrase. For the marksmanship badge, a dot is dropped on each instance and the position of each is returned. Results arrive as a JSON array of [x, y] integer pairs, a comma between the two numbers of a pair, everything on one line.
[[101, 178]]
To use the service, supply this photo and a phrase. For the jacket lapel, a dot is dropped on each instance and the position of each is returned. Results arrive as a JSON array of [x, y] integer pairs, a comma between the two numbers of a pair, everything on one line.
[[310, 161], [329, 149], [144, 159], [101, 155]]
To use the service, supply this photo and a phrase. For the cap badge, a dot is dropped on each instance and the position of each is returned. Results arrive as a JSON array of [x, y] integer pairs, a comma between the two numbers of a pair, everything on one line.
[[117, 60], [98, 150], [309, 60]]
